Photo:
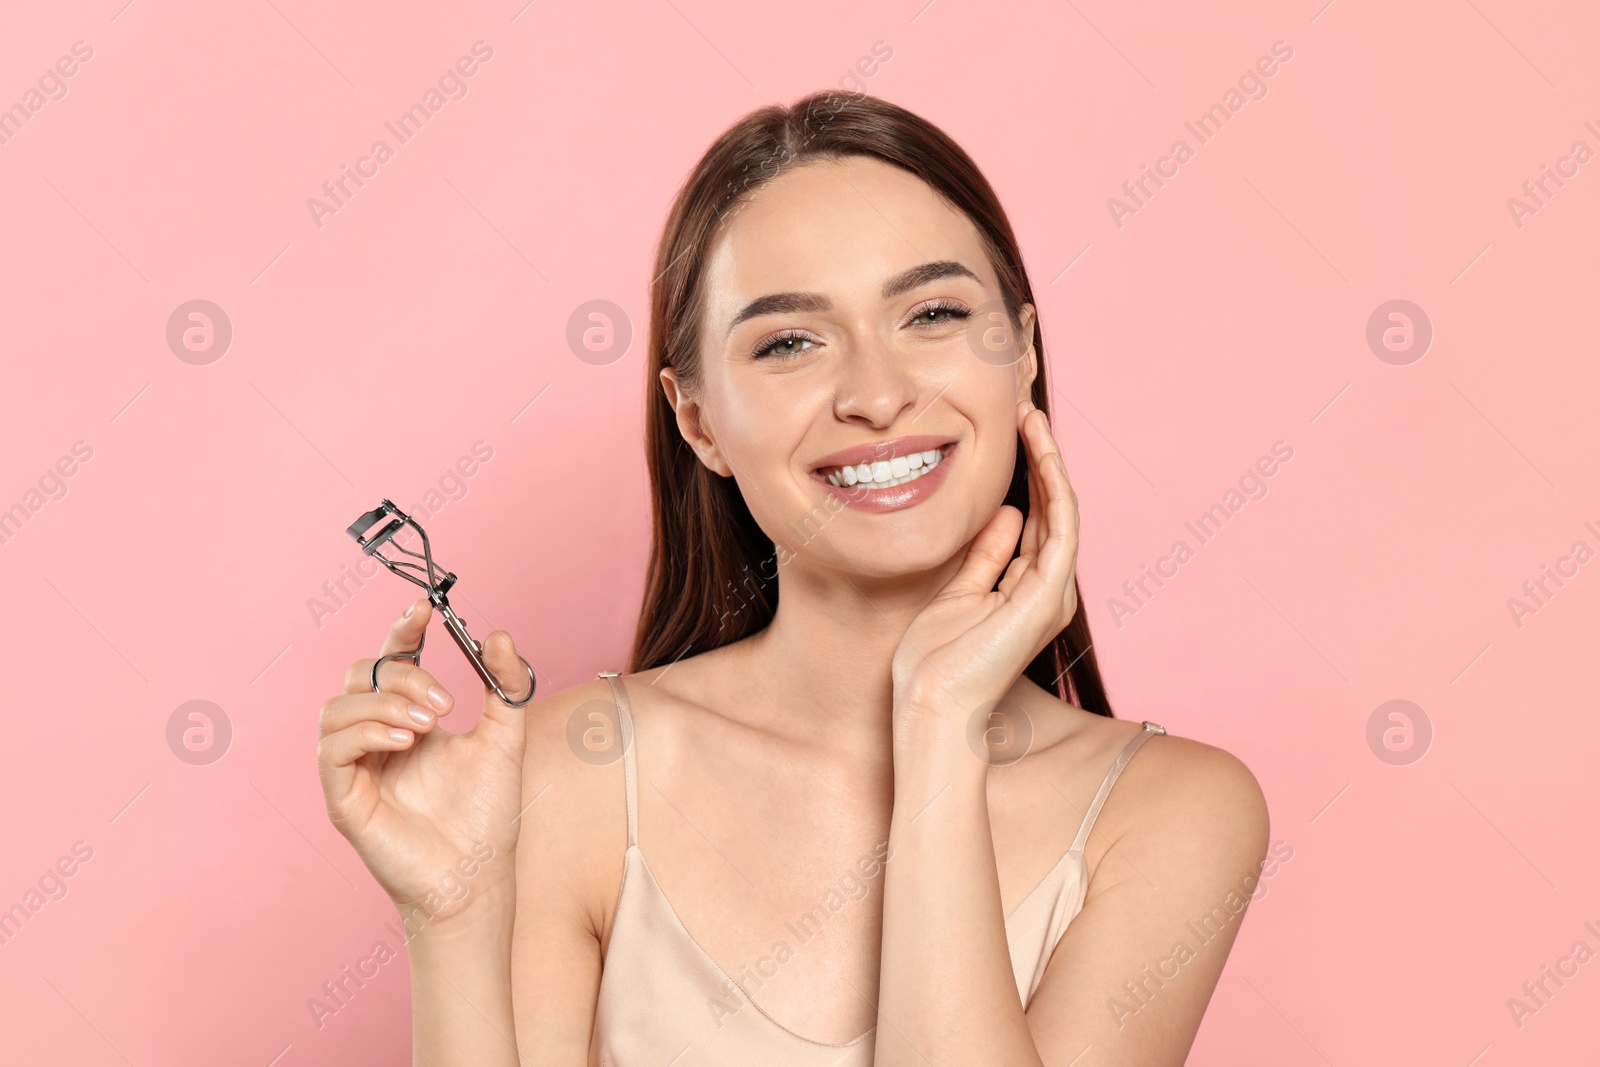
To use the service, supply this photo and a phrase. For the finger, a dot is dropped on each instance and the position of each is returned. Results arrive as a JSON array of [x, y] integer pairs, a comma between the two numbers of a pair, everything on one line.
[[1033, 529], [408, 629], [500, 656], [1037, 529], [338, 752], [1033, 532], [404, 636], [1023, 563], [1057, 555], [344, 747], [391, 709], [403, 676], [1061, 502], [502, 725], [988, 555], [1013, 577], [408, 680]]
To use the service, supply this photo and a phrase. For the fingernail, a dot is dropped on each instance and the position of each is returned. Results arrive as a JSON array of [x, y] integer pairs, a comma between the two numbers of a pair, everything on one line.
[[409, 609], [402, 736], [438, 697], [419, 715]]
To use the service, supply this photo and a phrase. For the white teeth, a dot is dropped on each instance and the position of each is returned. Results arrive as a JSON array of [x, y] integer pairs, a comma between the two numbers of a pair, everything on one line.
[[882, 474]]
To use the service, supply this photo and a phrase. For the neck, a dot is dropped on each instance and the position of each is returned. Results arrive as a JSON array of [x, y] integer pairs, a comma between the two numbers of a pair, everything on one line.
[[824, 661]]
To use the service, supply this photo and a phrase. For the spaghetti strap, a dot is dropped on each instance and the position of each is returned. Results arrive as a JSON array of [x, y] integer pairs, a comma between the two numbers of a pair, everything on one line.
[[630, 766], [1150, 730]]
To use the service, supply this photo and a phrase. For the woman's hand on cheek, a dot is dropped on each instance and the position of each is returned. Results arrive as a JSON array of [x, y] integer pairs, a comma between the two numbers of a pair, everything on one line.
[[966, 649]]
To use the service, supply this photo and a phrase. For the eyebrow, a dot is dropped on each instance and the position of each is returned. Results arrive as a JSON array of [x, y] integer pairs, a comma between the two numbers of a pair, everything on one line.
[[904, 282]]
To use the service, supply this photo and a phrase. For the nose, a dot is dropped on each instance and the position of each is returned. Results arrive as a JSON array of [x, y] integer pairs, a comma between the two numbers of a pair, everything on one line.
[[875, 385]]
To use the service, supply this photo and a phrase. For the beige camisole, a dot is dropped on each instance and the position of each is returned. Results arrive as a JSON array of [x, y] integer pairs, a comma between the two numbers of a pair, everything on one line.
[[658, 985]]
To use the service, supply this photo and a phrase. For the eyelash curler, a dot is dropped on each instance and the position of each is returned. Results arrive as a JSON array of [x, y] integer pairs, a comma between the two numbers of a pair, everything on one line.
[[437, 581]]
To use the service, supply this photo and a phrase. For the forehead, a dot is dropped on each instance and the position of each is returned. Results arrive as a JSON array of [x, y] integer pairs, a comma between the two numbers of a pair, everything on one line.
[[837, 227]]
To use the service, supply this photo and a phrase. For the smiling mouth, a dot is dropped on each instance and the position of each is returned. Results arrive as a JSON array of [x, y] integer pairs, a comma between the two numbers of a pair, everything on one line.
[[886, 473]]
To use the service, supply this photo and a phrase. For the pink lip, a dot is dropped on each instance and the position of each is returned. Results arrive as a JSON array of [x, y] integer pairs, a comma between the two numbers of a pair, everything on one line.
[[876, 450], [895, 497]]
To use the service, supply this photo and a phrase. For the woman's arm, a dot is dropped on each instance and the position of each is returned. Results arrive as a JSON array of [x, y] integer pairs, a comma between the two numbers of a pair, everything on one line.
[[1187, 828], [569, 855], [461, 992], [1185, 833], [517, 984], [433, 815], [946, 991]]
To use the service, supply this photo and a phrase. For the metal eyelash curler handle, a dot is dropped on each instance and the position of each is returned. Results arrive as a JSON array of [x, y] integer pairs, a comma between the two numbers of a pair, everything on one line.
[[437, 581]]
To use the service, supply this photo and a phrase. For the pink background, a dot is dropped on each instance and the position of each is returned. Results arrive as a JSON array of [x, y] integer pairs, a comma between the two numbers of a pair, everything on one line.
[[371, 352]]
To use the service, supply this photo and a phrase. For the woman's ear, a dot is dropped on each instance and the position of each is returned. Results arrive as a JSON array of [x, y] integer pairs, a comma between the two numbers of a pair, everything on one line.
[[1027, 364], [692, 423]]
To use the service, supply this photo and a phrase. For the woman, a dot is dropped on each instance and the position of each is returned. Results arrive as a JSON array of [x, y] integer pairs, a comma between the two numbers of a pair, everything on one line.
[[864, 741]]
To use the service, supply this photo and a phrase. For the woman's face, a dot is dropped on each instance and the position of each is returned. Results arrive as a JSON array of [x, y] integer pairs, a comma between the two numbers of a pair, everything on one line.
[[851, 310]]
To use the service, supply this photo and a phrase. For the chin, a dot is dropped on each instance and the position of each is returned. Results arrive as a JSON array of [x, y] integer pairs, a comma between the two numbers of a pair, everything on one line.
[[900, 557]]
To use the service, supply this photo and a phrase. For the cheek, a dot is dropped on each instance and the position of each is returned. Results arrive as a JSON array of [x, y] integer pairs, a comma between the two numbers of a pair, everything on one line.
[[757, 424], [989, 407], [982, 480], [996, 461]]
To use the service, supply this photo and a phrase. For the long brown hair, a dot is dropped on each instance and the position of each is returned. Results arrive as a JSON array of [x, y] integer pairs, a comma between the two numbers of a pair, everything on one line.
[[713, 572]]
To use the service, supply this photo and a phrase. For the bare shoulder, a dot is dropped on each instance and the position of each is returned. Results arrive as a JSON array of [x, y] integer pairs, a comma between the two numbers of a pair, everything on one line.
[[573, 827], [1180, 770], [1181, 803]]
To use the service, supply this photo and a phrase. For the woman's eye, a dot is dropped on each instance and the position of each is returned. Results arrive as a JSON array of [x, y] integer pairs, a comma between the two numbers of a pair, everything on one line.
[[939, 314], [788, 344], [783, 345]]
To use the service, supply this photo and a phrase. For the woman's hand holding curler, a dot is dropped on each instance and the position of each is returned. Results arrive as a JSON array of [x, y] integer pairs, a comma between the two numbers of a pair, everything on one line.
[[427, 810]]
